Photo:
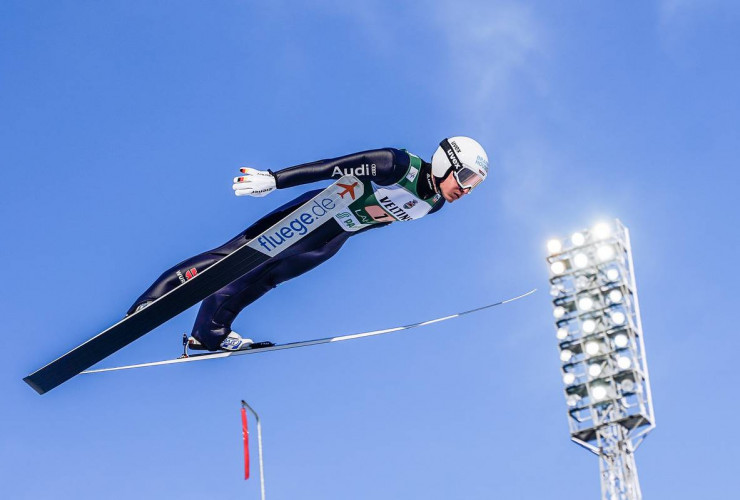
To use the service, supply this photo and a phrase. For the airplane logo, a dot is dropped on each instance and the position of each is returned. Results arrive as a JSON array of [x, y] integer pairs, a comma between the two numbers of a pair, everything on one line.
[[348, 188]]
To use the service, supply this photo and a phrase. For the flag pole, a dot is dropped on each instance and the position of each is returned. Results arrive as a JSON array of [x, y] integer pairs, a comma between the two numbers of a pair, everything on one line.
[[259, 445]]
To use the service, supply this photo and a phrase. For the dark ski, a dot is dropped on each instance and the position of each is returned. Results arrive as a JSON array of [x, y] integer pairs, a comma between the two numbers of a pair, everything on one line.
[[327, 203]]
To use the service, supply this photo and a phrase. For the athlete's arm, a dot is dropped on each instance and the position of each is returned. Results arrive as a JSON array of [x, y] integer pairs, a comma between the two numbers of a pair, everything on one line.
[[383, 166]]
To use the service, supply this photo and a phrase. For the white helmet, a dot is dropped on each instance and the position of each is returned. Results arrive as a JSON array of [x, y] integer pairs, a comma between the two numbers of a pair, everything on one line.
[[465, 157]]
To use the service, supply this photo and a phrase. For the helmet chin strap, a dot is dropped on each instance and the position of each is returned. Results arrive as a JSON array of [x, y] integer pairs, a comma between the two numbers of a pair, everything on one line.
[[436, 184]]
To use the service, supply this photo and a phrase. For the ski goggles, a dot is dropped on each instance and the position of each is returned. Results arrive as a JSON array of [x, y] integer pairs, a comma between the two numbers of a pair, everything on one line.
[[466, 177]]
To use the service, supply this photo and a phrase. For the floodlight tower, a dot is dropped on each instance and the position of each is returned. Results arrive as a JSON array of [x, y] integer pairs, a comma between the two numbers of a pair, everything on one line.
[[602, 351]]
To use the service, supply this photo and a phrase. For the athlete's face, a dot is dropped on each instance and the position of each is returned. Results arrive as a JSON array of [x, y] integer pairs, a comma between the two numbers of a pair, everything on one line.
[[451, 190]]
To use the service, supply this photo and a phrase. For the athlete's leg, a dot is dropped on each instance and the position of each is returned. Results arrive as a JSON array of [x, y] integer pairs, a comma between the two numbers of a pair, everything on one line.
[[175, 276], [190, 267], [218, 311]]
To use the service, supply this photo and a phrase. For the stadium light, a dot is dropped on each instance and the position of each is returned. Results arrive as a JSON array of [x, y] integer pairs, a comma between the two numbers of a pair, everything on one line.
[[602, 350], [554, 246]]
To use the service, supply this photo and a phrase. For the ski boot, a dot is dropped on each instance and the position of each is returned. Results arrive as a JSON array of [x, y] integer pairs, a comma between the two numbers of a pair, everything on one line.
[[233, 342]]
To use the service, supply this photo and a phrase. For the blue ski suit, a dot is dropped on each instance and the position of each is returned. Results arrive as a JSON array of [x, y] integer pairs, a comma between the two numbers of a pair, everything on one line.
[[218, 311]]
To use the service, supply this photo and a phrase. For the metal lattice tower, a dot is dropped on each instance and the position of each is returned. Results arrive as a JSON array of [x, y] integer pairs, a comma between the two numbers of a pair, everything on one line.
[[602, 351]]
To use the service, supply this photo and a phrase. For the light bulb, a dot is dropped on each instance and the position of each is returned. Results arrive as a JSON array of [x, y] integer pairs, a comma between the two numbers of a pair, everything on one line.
[[627, 385], [624, 362], [621, 340], [557, 289], [558, 267], [592, 348], [585, 303], [618, 318], [580, 260], [589, 326], [605, 253], [554, 246], [599, 392], [602, 230]]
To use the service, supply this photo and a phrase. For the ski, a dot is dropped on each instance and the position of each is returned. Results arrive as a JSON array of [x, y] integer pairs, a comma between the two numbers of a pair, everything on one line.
[[325, 207], [269, 346]]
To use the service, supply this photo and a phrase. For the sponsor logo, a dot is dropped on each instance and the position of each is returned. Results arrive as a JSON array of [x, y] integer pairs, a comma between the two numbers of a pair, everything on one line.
[[230, 343], [346, 219], [436, 198], [349, 221], [482, 162], [394, 209], [412, 174], [348, 188], [188, 274], [363, 218], [454, 145], [453, 159], [304, 221], [364, 169], [430, 182], [399, 202]]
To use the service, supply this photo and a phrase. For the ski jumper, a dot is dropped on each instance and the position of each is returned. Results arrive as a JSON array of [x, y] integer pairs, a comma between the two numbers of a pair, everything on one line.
[[399, 186]]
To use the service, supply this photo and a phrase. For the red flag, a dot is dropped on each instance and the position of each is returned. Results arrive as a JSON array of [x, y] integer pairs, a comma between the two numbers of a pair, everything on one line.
[[245, 434]]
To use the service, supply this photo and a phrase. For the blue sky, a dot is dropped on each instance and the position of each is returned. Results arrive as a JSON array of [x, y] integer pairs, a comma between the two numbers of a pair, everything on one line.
[[124, 122]]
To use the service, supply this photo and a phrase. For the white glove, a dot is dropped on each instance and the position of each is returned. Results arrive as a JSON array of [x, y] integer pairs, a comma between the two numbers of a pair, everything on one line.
[[255, 183]]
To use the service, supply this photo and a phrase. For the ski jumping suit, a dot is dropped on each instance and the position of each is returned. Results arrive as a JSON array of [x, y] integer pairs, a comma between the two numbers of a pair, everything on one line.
[[398, 186]]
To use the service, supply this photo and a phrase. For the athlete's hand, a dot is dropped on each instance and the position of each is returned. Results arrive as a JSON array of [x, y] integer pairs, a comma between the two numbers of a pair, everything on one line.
[[254, 183]]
